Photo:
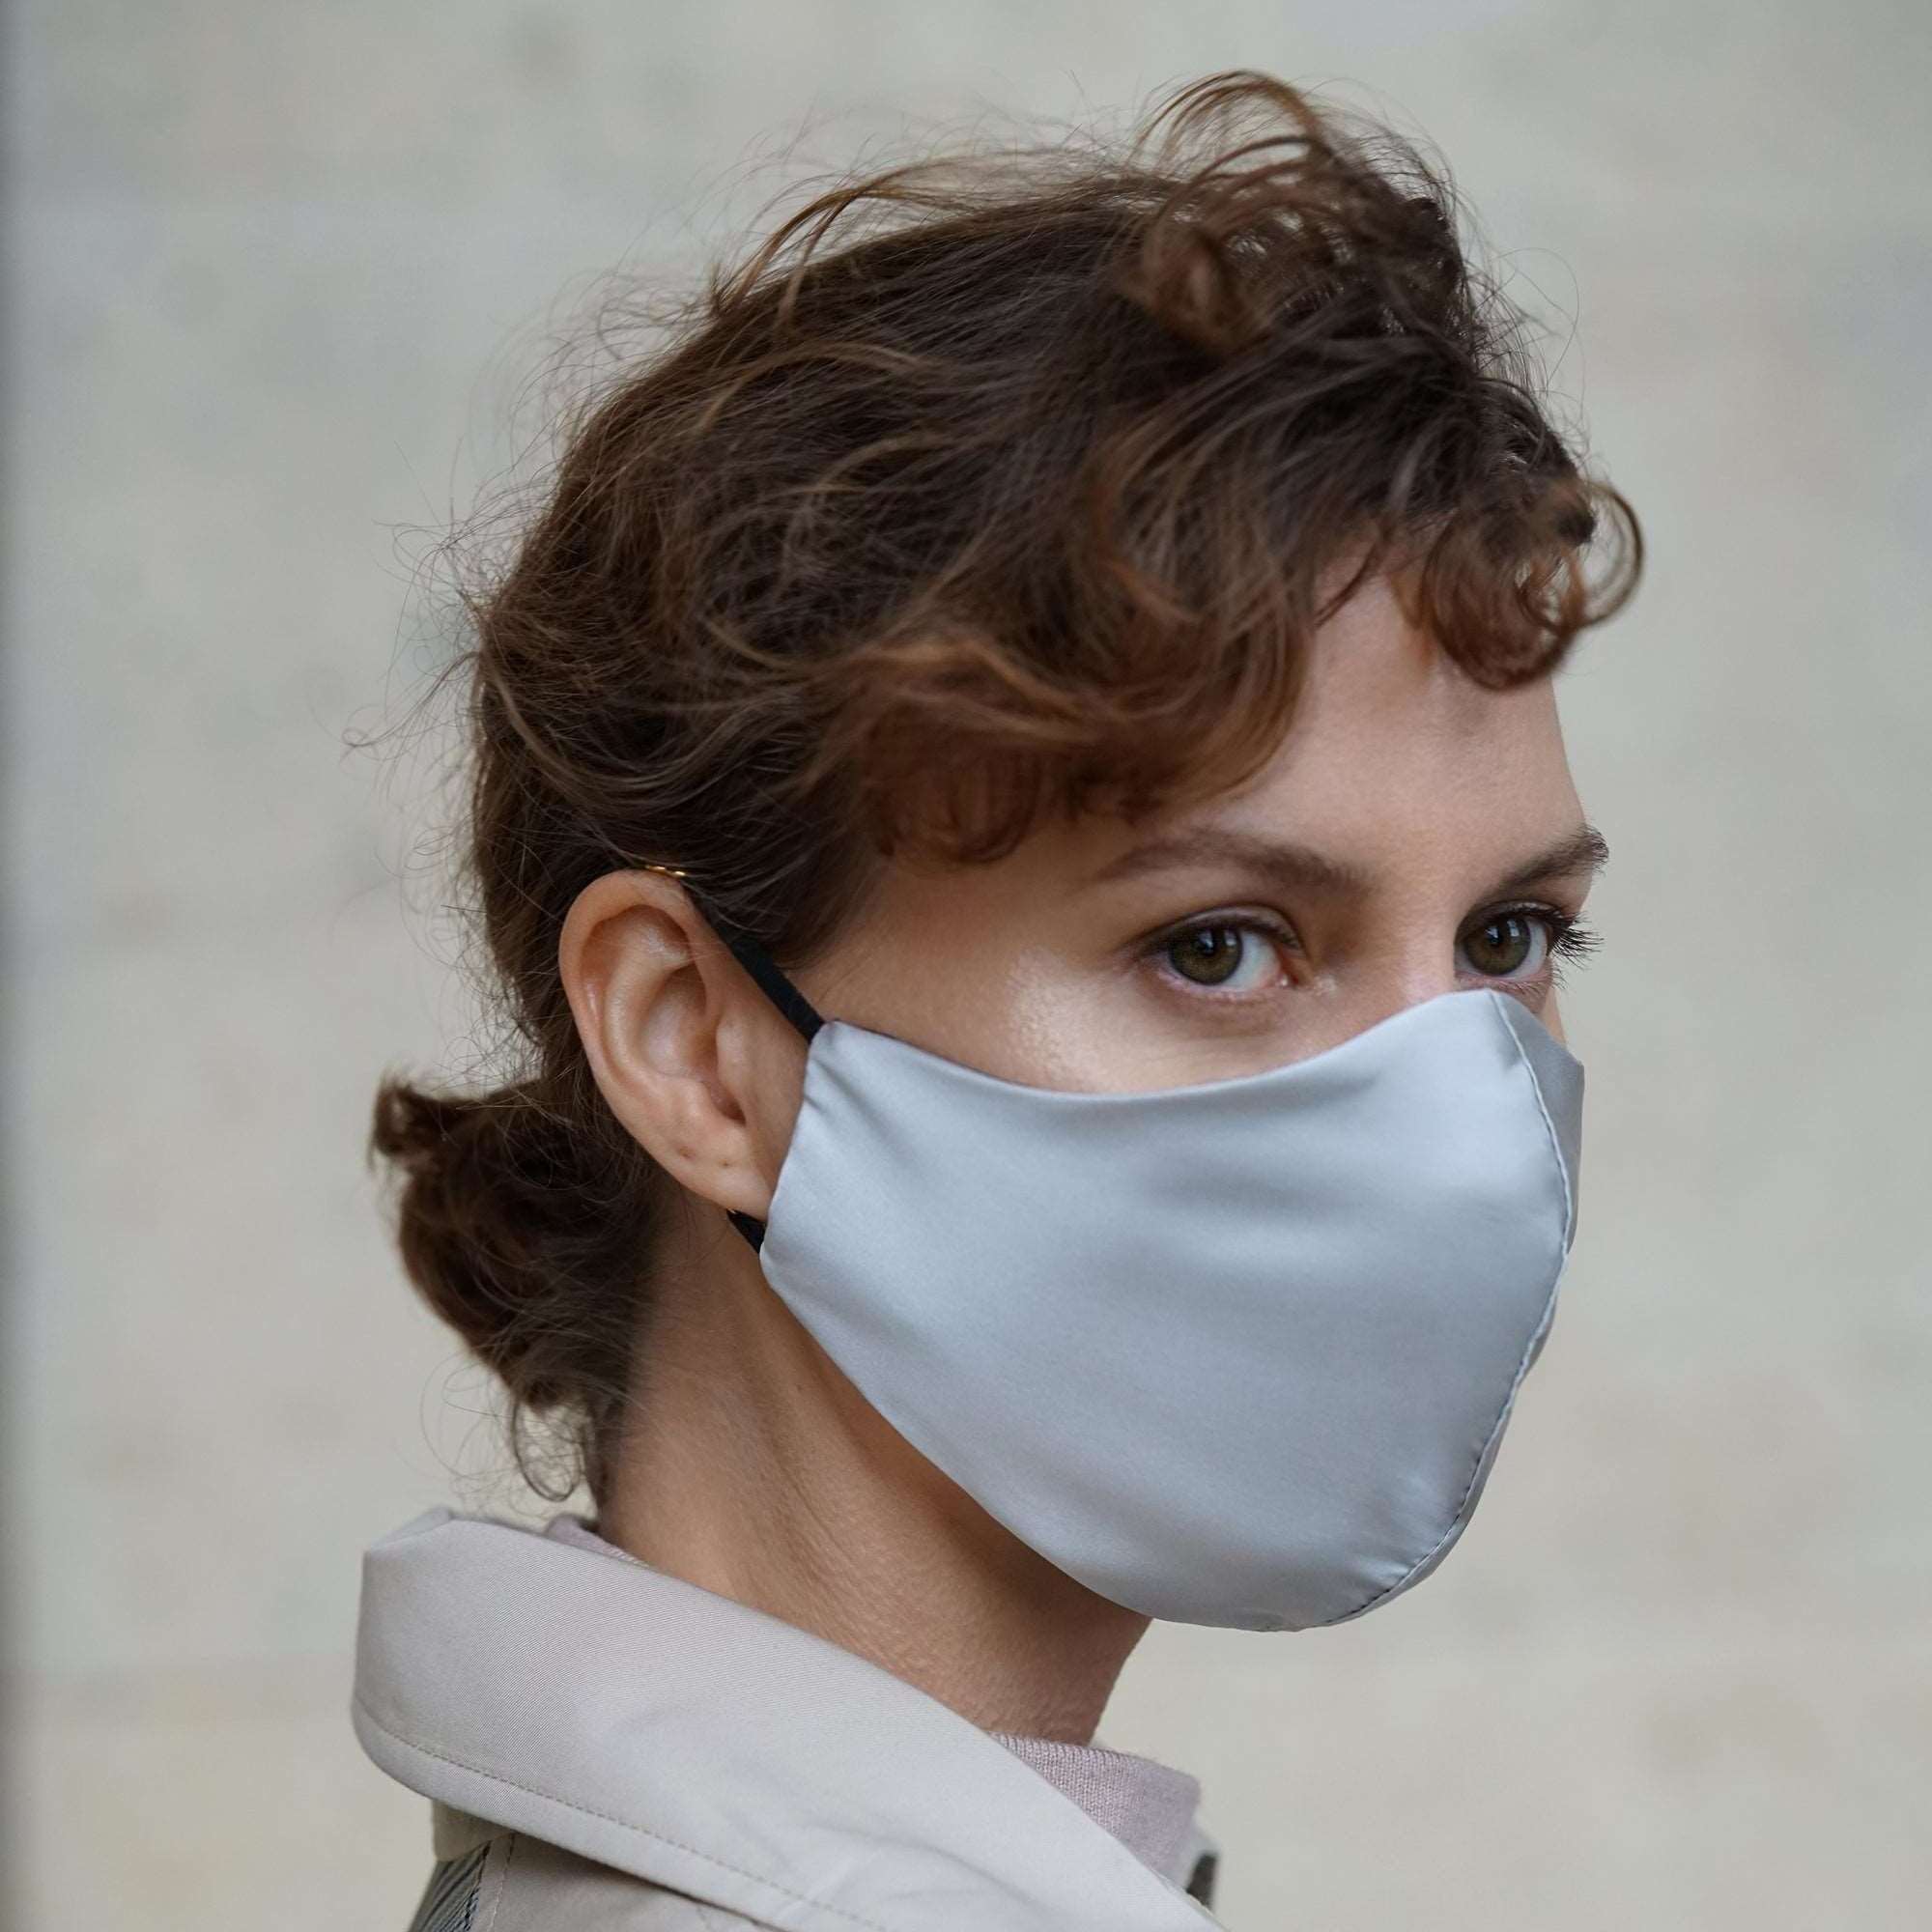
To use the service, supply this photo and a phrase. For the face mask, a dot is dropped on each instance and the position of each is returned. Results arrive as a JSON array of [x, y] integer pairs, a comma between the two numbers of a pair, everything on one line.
[[1237, 1353]]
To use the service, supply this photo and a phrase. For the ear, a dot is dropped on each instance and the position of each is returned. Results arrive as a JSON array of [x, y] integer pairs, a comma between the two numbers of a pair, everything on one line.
[[686, 1050]]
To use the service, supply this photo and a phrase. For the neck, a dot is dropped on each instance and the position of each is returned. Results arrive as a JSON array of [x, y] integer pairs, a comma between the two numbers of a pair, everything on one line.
[[752, 1468]]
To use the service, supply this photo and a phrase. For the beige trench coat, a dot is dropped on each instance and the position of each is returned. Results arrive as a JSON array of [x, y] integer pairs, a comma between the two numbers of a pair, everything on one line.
[[604, 1745]]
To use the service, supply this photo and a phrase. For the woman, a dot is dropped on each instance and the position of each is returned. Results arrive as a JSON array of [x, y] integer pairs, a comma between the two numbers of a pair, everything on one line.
[[1021, 821]]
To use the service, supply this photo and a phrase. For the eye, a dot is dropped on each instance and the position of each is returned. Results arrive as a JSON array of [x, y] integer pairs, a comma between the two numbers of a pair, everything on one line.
[[1230, 953], [1517, 942], [1508, 946]]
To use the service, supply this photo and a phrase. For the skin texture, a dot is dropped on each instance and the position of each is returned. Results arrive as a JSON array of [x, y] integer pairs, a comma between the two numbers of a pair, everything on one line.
[[753, 1467]]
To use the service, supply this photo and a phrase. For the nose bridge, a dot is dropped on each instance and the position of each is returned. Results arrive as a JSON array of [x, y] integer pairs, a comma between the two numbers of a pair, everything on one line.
[[1420, 970], [1415, 968], [1418, 930]]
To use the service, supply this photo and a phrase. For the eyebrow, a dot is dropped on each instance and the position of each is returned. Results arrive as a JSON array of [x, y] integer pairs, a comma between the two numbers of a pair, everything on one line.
[[1300, 867]]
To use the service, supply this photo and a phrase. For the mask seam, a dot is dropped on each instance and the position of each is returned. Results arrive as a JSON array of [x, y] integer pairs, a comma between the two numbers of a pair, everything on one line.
[[1423, 1561]]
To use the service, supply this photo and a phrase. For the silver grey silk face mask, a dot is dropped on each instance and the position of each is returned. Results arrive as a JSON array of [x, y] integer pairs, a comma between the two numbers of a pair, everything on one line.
[[1237, 1353]]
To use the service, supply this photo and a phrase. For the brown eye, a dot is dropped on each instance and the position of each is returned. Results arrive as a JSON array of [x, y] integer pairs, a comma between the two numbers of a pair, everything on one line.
[[1207, 954], [1500, 946], [1231, 956]]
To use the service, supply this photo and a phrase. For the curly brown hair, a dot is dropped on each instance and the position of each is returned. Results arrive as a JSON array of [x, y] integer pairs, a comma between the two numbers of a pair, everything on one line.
[[1016, 501]]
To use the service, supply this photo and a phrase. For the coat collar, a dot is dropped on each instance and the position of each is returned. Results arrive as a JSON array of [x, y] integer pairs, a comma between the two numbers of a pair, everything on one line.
[[658, 1727]]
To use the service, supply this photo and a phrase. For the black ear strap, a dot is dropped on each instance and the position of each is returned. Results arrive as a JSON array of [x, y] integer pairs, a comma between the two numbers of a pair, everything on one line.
[[771, 981]]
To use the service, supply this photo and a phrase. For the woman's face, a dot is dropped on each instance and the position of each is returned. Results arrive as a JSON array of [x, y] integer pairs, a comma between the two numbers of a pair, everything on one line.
[[1413, 835]]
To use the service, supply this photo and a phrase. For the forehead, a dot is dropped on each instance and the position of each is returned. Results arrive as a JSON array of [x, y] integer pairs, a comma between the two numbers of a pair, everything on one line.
[[1387, 728], [1396, 766]]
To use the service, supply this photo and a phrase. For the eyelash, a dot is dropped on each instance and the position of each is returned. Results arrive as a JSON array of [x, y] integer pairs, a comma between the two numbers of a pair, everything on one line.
[[1569, 941]]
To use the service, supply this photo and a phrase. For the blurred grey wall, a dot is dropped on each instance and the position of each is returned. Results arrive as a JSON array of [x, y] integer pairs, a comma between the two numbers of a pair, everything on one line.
[[276, 275]]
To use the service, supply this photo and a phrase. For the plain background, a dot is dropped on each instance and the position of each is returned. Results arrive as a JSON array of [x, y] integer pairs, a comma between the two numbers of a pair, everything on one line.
[[276, 279]]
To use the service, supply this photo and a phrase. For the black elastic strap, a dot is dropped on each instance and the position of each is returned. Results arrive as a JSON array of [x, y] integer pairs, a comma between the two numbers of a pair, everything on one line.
[[781, 994], [748, 1225]]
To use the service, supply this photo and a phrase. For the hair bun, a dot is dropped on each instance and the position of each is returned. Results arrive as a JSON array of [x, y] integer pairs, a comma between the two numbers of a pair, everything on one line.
[[491, 1227]]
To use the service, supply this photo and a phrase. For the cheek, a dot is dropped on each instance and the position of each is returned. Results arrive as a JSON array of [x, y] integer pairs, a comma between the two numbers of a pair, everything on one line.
[[961, 983], [1551, 1017], [1047, 1029], [1044, 1020]]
